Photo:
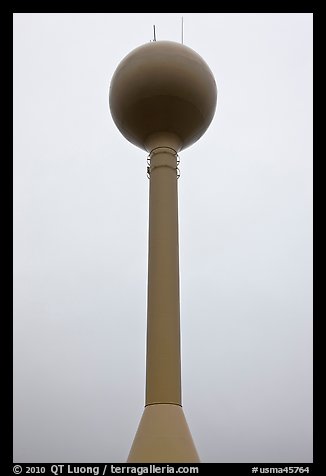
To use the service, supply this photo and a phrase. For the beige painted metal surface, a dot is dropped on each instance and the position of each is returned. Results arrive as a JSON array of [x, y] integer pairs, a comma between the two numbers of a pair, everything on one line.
[[162, 86], [162, 99], [163, 368], [163, 436]]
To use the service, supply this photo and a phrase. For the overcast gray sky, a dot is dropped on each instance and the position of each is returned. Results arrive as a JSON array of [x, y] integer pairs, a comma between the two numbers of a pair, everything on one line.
[[81, 218]]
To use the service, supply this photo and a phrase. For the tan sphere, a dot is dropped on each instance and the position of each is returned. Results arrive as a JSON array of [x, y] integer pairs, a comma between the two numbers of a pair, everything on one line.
[[162, 94]]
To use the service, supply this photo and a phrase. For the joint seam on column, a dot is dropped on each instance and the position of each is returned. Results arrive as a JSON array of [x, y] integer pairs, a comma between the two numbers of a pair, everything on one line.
[[162, 165], [163, 148], [163, 403]]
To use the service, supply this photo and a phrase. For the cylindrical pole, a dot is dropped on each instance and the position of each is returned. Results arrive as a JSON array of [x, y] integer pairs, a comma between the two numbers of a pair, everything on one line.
[[163, 365], [163, 434]]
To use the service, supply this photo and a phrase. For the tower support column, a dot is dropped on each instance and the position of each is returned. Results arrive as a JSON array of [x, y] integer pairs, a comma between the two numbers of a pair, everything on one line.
[[163, 434], [163, 365]]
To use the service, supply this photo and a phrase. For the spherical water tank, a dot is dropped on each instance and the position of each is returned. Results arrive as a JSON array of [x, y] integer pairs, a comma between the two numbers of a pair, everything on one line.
[[162, 94]]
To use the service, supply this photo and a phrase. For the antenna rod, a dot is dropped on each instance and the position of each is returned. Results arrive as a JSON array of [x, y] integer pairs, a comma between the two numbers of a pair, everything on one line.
[[182, 30], [154, 33]]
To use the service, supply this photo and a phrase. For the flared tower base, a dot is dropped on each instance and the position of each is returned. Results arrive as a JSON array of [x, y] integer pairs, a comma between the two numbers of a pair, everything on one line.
[[163, 436]]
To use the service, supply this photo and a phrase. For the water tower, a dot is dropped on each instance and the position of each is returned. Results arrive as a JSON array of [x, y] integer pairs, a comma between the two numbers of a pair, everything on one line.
[[162, 99]]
